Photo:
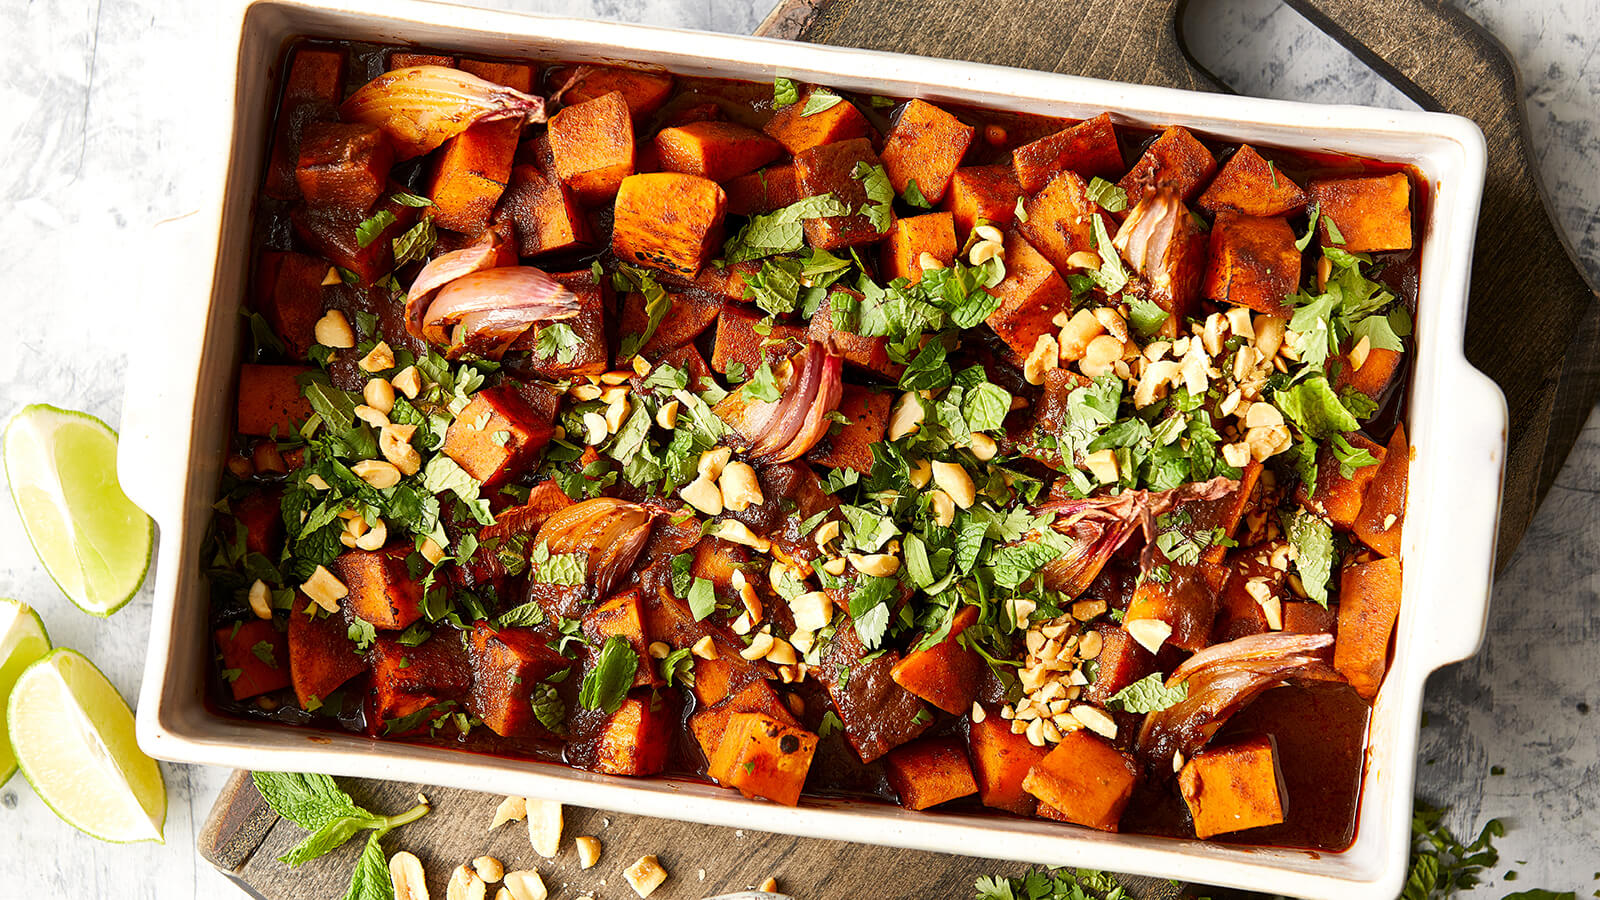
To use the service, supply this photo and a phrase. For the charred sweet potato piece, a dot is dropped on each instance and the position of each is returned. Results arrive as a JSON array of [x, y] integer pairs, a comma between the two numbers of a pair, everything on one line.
[[270, 400], [1031, 295], [687, 318], [1372, 377], [867, 353], [1060, 220], [929, 772], [636, 739], [763, 757], [321, 655], [1369, 604], [474, 440], [1226, 512], [709, 724], [762, 192], [255, 658], [518, 76], [1122, 661], [401, 59], [669, 221], [798, 132], [716, 560], [623, 616], [727, 282], [1187, 602], [945, 674], [925, 145], [1252, 186], [878, 714], [591, 144], [1088, 148], [1305, 617], [1232, 788], [1252, 597], [289, 296], [345, 165], [738, 342], [851, 446], [1253, 262], [381, 591], [644, 91], [1001, 761], [407, 679], [545, 213], [470, 172], [311, 92], [262, 520], [715, 150], [829, 169], [1372, 213], [1174, 160], [333, 233], [1383, 511], [592, 355], [1085, 779], [506, 665], [1335, 496], [908, 239], [988, 193]]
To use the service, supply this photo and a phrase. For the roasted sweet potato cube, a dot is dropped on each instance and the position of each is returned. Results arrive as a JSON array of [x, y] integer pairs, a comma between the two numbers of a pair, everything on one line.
[[715, 150], [623, 616], [708, 111], [262, 519], [1186, 602], [1085, 779], [407, 679], [716, 560], [925, 145], [686, 319], [592, 354], [1060, 220], [506, 665], [1252, 598], [311, 93], [289, 296], [829, 169], [470, 172], [255, 658], [401, 59], [1031, 295], [688, 358], [1122, 661], [763, 757], [987, 193], [1305, 617], [798, 132], [381, 590], [738, 342], [762, 192], [321, 655], [270, 400], [1383, 511], [727, 282], [714, 680], [908, 239], [945, 674], [1253, 262], [344, 165], [870, 354], [709, 724], [669, 221], [496, 434], [1088, 148], [333, 232], [1374, 374], [929, 772], [591, 144], [1369, 604], [1001, 760], [517, 76], [644, 91], [545, 213], [878, 714], [1335, 496], [851, 446], [1232, 788], [1372, 213], [1174, 160], [637, 738], [1252, 186]]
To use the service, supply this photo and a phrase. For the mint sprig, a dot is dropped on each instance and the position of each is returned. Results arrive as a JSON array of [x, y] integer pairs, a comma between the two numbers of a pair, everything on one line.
[[317, 804]]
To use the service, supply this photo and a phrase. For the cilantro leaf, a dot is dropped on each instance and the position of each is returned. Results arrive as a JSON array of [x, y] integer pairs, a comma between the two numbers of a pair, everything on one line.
[[1313, 545], [1111, 276], [702, 598], [656, 304], [1146, 316], [1149, 694], [763, 385], [1314, 407], [914, 196], [559, 342]]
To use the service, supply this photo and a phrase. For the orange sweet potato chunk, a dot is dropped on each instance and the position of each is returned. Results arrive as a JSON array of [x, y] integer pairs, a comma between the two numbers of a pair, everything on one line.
[[289, 296], [1335, 496], [470, 173], [517, 76], [1001, 761], [764, 757], [925, 145], [401, 59], [669, 221], [644, 91], [544, 212], [1253, 262], [1371, 213], [1175, 160], [1305, 617], [592, 146], [728, 282], [1250, 185], [1031, 295], [1088, 148], [474, 439], [762, 192], [1122, 661], [407, 679], [255, 656], [1232, 788], [851, 446], [988, 193], [506, 665], [908, 239], [270, 400], [623, 616], [1369, 605], [637, 738], [738, 342], [593, 354], [321, 655], [1374, 374], [688, 317], [344, 165], [715, 150], [1085, 779], [945, 674], [381, 591], [929, 772], [829, 169], [1383, 512], [311, 92], [1240, 613], [798, 132], [863, 352], [709, 724], [1060, 220]]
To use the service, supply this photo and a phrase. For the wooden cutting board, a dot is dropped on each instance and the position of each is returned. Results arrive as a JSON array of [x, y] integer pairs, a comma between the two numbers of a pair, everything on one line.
[[1533, 326]]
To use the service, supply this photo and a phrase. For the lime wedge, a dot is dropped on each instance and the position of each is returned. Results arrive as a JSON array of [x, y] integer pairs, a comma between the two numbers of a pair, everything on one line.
[[22, 641], [73, 738], [93, 541]]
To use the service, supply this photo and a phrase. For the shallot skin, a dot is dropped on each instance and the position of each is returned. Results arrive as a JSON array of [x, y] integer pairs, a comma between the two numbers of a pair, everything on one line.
[[421, 107]]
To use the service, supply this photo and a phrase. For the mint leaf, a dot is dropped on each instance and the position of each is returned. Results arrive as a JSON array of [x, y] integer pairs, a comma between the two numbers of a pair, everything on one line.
[[1351, 457], [763, 385], [1111, 276], [784, 93], [372, 228], [780, 231], [656, 304], [524, 616], [913, 195], [879, 208], [985, 407], [547, 706], [1110, 197], [607, 682], [415, 244], [1149, 694], [308, 800], [405, 198], [702, 598], [820, 101], [1315, 408], [678, 666]]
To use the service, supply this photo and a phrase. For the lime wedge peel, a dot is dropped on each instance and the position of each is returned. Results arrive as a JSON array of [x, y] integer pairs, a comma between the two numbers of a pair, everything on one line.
[[94, 542], [22, 641], [73, 736]]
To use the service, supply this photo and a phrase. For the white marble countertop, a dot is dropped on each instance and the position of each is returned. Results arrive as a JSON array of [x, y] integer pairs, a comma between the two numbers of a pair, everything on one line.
[[94, 152]]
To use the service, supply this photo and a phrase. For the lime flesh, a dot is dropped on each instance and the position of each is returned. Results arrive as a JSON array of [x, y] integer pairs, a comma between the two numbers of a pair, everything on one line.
[[92, 539], [22, 641], [73, 738]]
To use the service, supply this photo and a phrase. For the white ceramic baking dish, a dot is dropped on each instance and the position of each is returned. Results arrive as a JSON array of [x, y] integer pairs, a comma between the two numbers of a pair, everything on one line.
[[180, 399]]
